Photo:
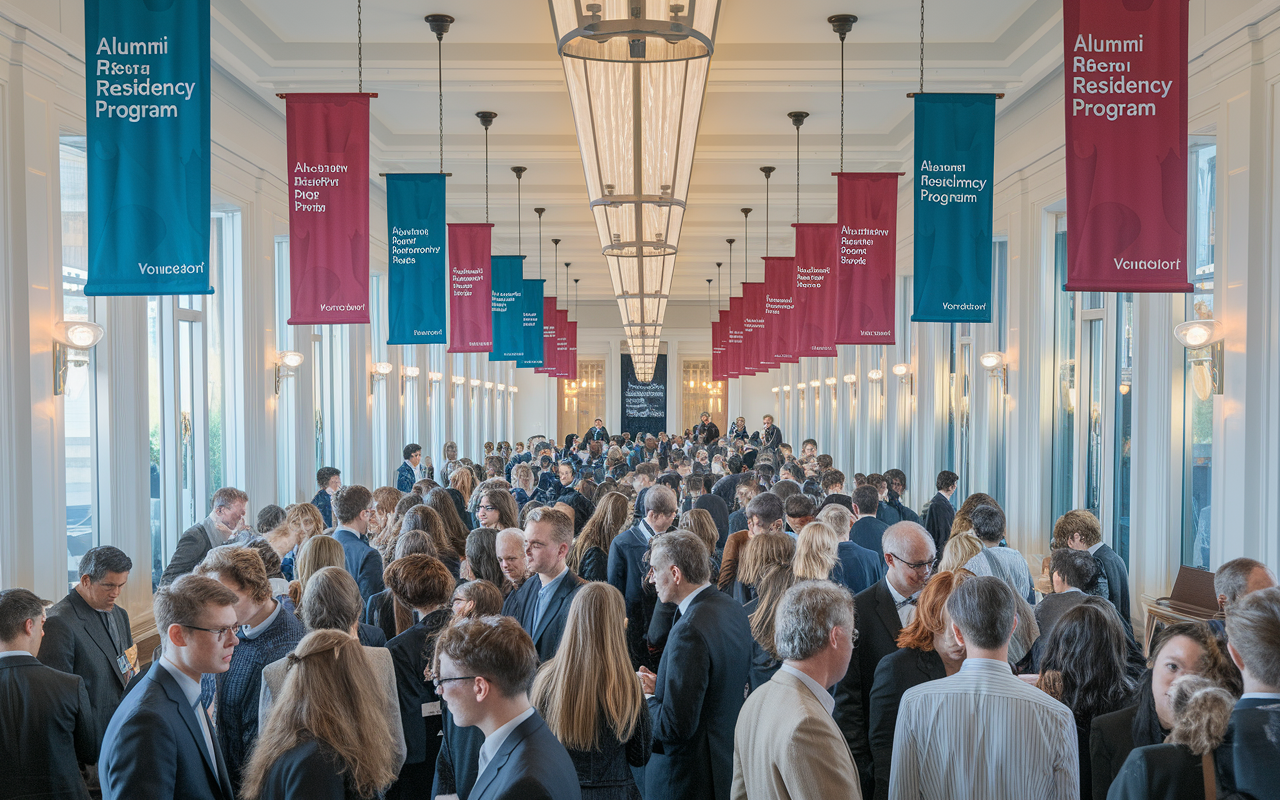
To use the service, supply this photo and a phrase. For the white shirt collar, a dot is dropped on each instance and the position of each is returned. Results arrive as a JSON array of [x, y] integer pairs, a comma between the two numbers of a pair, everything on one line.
[[684, 604], [1095, 547], [254, 632], [1260, 696], [972, 663], [494, 740], [190, 688], [820, 692], [8, 653], [897, 596], [646, 530]]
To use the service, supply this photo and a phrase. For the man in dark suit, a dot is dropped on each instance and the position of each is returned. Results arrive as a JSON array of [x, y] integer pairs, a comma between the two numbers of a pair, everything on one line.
[[407, 475], [770, 435], [598, 432], [883, 610], [859, 567], [1071, 573], [87, 634], [541, 604], [1248, 761], [160, 742], [1079, 529], [329, 480], [706, 432], [46, 724], [867, 530], [897, 487], [353, 506], [940, 513], [628, 570], [701, 682], [225, 520], [486, 668]]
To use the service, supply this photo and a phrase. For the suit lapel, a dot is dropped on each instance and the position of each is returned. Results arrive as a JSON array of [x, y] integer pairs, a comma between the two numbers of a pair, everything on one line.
[[565, 586], [501, 757], [97, 632], [885, 608], [217, 769]]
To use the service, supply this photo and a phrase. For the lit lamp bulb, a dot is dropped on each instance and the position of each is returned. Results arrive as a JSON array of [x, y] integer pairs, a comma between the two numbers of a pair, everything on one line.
[[412, 372], [875, 375], [993, 360], [290, 358], [901, 370], [78, 335], [850, 378], [1199, 333], [1124, 388], [382, 368]]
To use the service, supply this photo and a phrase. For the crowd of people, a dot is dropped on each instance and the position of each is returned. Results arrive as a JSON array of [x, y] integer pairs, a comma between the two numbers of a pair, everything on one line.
[[686, 616]]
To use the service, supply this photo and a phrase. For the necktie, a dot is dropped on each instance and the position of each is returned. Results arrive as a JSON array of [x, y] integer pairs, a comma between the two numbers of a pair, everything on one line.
[[910, 601], [675, 618], [113, 630]]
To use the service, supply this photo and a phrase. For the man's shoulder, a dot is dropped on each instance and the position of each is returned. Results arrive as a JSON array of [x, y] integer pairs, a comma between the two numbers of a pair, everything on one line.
[[870, 595], [64, 611]]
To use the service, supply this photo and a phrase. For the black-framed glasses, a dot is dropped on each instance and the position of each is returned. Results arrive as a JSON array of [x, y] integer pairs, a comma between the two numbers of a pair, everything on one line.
[[915, 565], [437, 682], [485, 508], [218, 633]]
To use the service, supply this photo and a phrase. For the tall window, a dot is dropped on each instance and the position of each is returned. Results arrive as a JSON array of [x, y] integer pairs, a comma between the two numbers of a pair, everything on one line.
[[959, 399], [699, 393], [581, 401], [1065, 394], [78, 400], [1198, 434], [409, 398], [996, 404], [331, 376], [1123, 422], [381, 389], [287, 400]]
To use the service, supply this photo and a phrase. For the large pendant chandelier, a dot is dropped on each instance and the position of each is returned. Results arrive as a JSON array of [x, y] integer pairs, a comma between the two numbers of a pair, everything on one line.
[[637, 72]]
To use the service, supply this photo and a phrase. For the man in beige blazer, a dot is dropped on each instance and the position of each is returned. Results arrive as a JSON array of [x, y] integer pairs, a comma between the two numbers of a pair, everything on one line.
[[786, 745]]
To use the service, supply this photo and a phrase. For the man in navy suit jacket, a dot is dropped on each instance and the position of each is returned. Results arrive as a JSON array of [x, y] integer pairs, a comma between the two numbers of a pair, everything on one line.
[[1248, 761], [701, 683], [160, 742], [329, 481], [541, 604], [627, 569], [868, 530], [353, 506], [860, 567], [407, 475], [486, 668]]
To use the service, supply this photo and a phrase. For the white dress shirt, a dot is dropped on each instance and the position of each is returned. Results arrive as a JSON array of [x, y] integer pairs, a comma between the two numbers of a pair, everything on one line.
[[494, 740], [253, 632], [8, 653], [824, 697], [683, 606], [905, 613], [191, 690]]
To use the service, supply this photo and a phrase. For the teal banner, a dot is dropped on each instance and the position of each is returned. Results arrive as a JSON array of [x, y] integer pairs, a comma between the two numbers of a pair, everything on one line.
[[532, 324], [147, 111], [955, 166], [508, 308], [416, 269]]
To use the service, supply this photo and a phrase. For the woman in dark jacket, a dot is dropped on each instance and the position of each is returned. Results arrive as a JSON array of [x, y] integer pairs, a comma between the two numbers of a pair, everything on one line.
[[589, 557], [761, 612], [592, 700]]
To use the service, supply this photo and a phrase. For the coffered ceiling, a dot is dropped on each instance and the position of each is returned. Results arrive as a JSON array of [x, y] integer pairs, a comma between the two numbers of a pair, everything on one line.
[[770, 58]]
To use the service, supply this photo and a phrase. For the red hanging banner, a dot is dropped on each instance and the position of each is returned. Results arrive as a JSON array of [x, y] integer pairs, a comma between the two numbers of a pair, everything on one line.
[[1126, 114], [779, 306], [572, 338], [761, 350], [470, 287], [718, 372], [327, 138], [563, 362], [733, 340], [548, 337], [816, 307], [866, 278]]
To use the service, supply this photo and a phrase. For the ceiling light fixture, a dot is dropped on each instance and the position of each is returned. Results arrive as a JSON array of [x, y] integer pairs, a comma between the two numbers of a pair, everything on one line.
[[636, 86]]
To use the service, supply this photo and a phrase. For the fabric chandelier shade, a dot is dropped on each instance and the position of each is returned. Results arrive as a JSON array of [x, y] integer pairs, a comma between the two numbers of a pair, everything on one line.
[[636, 83]]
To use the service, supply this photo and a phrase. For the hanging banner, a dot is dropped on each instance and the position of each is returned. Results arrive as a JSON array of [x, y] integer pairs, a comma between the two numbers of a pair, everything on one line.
[[867, 276], [508, 308], [644, 405], [548, 337], [147, 84], [532, 321], [572, 339], [563, 358], [955, 167], [415, 259], [817, 246], [718, 372], [734, 340], [470, 287], [1126, 110], [761, 350], [779, 307], [328, 149]]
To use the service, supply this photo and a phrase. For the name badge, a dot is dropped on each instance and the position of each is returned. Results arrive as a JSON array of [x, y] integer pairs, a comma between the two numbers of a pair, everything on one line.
[[431, 709], [122, 664]]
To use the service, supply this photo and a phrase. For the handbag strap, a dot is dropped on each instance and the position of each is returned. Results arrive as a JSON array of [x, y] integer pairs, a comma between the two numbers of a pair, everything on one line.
[[1210, 784]]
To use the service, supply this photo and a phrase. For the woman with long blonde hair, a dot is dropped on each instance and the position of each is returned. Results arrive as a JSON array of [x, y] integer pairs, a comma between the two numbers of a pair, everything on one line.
[[699, 522], [589, 556], [314, 555], [762, 612], [961, 547], [591, 699], [816, 557], [326, 735], [464, 480]]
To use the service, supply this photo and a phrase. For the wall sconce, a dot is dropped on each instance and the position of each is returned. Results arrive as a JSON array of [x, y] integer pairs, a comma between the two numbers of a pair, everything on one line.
[[813, 384], [381, 369], [850, 378], [1206, 367], [831, 381], [515, 389], [996, 367], [487, 384], [286, 362], [72, 342], [458, 380], [434, 377], [475, 382], [775, 389], [406, 373], [875, 375], [1124, 388], [502, 387], [903, 371]]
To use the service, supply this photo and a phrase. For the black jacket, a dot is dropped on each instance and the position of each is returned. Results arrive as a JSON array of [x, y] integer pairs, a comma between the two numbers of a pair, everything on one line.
[[1158, 772], [531, 764], [938, 516], [771, 438], [522, 604], [1248, 760], [706, 434], [698, 693], [459, 759], [626, 573], [1117, 582], [409, 652], [76, 641], [895, 674], [594, 566], [308, 769], [192, 547], [868, 532], [597, 435], [1111, 739], [46, 731], [878, 629]]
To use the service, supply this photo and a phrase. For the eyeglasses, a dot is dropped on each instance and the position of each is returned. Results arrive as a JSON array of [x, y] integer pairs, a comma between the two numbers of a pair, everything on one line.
[[218, 633], [437, 682], [485, 508], [915, 565]]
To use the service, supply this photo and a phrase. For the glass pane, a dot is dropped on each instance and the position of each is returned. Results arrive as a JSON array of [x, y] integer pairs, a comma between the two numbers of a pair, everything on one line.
[[1124, 423], [155, 413], [187, 422], [581, 401], [1093, 444], [1198, 436], [221, 248], [1065, 394], [699, 393]]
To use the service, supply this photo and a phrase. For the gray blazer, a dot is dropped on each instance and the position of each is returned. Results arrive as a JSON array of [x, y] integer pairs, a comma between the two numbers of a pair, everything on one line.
[[195, 542], [273, 676]]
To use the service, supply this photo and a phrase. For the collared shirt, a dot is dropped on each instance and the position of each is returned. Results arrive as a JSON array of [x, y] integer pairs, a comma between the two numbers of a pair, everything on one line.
[[544, 596], [494, 741], [684, 604], [253, 632], [8, 653], [1094, 548], [1245, 696], [1070, 589], [824, 697], [646, 530], [905, 613], [191, 690], [362, 537], [972, 662]]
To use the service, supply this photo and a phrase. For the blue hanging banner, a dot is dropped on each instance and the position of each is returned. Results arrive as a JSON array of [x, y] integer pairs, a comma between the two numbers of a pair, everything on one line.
[[416, 266], [147, 106], [532, 324], [508, 308], [955, 167]]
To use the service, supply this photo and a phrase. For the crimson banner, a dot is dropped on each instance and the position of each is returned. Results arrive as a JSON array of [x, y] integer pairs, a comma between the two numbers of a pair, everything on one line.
[[572, 338], [548, 337], [563, 364], [327, 142], [779, 305], [733, 340], [817, 246], [718, 372], [1126, 110], [761, 349], [470, 287], [867, 275]]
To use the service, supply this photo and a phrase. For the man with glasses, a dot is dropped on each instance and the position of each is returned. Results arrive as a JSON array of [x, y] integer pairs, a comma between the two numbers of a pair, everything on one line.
[[354, 507], [883, 611], [160, 742], [87, 634]]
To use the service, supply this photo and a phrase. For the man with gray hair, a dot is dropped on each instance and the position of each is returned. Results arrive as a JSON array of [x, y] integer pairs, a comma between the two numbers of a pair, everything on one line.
[[935, 752], [510, 548], [786, 744], [1232, 582], [225, 522], [695, 697], [627, 569]]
